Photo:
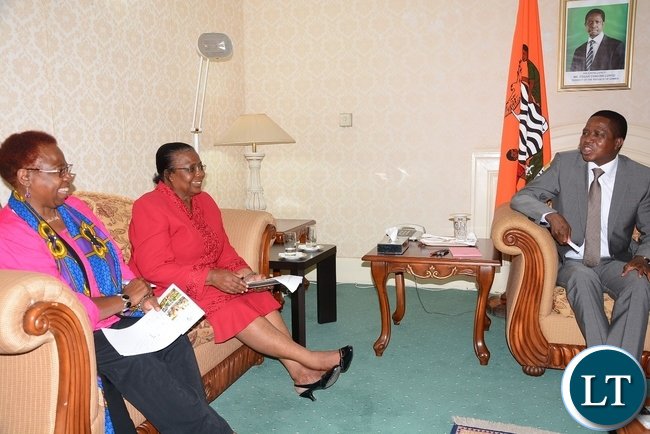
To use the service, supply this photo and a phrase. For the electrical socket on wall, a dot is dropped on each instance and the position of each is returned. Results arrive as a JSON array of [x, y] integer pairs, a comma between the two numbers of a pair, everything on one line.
[[345, 119]]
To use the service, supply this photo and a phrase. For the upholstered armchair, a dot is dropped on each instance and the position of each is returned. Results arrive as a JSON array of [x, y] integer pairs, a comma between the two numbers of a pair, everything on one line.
[[541, 329]]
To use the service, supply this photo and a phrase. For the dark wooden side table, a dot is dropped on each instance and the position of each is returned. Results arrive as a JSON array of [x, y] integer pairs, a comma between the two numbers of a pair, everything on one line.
[[417, 260], [299, 226], [325, 262]]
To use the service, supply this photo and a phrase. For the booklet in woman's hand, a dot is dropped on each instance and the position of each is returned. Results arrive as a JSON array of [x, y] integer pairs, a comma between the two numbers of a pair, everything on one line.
[[289, 281]]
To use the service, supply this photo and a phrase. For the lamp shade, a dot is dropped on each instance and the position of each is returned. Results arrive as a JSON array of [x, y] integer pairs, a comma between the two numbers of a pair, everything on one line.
[[252, 129]]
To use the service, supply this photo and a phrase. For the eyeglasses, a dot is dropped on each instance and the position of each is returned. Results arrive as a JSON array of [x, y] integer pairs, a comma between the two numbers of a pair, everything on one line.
[[194, 168], [63, 172]]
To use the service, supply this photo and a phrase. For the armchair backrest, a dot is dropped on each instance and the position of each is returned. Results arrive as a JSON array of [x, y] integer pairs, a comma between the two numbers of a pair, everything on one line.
[[243, 226]]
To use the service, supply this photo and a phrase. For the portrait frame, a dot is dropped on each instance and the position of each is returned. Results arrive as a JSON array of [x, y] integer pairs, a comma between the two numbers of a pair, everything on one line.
[[618, 28]]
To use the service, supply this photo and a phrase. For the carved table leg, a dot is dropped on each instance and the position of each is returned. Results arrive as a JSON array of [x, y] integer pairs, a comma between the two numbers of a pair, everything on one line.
[[481, 321], [400, 298], [379, 275]]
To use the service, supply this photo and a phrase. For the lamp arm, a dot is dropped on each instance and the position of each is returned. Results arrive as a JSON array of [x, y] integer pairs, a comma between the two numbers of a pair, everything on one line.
[[199, 101], [205, 86], [196, 98]]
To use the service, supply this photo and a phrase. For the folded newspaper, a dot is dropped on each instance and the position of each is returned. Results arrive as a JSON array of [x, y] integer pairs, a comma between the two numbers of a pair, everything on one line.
[[157, 329]]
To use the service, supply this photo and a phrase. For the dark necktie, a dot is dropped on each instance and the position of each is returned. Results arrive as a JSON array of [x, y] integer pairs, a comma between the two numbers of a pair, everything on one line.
[[590, 55], [591, 257]]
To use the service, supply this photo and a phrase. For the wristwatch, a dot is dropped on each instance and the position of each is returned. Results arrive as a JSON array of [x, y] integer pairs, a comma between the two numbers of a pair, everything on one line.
[[126, 300]]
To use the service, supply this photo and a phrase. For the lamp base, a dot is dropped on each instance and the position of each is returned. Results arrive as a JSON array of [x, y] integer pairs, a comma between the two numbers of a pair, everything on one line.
[[255, 192]]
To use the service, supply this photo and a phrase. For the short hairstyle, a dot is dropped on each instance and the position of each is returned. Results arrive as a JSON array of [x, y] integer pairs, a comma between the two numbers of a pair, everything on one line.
[[594, 12], [618, 122], [21, 150], [164, 157]]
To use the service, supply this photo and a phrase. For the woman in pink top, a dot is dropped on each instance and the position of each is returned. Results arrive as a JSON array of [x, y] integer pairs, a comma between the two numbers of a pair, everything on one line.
[[43, 229]]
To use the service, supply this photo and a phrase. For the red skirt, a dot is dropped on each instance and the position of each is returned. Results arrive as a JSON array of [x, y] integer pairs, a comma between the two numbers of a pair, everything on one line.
[[228, 314]]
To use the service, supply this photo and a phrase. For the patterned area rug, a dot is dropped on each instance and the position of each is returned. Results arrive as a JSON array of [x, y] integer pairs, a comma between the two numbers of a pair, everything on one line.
[[463, 425]]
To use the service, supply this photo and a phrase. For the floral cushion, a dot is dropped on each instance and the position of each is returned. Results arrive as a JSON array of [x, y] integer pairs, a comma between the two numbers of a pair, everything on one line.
[[201, 333], [561, 304], [115, 213]]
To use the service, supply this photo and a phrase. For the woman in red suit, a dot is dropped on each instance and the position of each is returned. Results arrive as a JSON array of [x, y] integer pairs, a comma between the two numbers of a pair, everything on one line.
[[177, 236]]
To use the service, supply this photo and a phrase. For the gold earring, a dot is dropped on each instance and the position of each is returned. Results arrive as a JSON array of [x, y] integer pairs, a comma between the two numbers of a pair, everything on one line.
[[27, 193]]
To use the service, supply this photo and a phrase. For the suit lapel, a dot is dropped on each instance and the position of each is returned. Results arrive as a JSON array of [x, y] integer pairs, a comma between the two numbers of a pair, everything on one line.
[[621, 185], [582, 190]]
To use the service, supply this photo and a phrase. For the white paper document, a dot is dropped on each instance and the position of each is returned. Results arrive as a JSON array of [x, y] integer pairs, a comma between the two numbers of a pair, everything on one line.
[[290, 281], [156, 330], [436, 240]]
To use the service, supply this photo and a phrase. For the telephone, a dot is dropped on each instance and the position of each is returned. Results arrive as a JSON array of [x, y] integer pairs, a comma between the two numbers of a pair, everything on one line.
[[412, 231]]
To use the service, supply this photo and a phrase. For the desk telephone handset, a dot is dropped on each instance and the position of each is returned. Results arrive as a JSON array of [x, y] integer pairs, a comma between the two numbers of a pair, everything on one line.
[[412, 231]]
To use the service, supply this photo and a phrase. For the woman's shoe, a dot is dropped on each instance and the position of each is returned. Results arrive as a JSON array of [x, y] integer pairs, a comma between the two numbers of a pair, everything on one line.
[[327, 380], [346, 357]]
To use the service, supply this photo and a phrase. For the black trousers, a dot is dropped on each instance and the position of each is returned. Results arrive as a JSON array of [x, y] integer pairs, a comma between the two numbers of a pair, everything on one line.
[[165, 386]]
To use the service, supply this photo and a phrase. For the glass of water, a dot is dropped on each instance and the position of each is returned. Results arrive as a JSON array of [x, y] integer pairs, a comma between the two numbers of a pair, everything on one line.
[[290, 243], [311, 237]]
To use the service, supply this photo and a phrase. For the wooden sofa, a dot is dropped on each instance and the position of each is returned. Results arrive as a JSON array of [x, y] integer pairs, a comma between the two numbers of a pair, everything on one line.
[[541, 329], [47, 364]]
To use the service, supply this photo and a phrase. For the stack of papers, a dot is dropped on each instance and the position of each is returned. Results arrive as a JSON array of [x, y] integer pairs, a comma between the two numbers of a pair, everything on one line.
[[436, 240]]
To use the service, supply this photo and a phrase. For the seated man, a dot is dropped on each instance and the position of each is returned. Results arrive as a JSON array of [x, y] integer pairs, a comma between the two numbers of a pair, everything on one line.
[[592, 221]]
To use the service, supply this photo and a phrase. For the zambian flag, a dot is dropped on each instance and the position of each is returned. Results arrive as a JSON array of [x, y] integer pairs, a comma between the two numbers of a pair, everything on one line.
[[525, 138]]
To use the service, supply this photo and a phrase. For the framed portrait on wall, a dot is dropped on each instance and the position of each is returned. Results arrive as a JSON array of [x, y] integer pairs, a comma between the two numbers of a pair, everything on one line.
[[596, 40]]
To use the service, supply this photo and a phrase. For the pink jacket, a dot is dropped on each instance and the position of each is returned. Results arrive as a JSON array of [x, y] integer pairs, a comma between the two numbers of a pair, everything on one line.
[[21, 248]]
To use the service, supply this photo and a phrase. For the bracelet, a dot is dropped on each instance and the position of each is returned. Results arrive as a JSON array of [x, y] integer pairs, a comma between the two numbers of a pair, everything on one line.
[[139, 305]]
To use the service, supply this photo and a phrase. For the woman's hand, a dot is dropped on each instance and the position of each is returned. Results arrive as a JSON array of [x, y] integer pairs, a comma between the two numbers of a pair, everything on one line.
[[149, 302], [228, 281], [254, 277], [139, 290]]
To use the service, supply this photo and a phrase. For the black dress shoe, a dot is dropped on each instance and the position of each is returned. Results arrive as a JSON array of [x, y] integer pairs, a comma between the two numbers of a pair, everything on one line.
[[327, 380], [346, 357]]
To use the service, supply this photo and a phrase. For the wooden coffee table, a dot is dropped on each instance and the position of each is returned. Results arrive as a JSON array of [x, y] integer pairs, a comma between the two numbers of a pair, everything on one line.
[[417, 260]]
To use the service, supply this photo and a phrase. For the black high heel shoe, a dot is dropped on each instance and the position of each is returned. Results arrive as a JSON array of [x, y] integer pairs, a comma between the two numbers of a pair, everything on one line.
[[327, 380], [346, 357]]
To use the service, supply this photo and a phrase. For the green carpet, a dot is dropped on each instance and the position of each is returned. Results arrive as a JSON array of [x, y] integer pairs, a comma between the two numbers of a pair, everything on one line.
[[427, 376]]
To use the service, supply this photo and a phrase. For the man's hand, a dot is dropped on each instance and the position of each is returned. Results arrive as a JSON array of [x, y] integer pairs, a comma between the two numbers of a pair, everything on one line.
[[560, 228], [638, 263]]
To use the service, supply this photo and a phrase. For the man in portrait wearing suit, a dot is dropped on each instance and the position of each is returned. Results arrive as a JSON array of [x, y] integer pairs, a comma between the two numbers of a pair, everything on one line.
[[600, 52], [598, 220]]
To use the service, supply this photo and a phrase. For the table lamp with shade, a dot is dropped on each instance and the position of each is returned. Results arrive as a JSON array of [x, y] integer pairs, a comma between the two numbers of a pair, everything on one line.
[[255, 129]]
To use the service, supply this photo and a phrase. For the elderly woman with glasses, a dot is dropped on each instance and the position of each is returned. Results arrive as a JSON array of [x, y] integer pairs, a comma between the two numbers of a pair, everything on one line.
[[46, 230], [177, 236]]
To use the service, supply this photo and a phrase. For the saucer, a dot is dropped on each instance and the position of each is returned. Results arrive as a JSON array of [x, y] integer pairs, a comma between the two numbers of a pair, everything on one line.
[[306, 248], [297, 257]]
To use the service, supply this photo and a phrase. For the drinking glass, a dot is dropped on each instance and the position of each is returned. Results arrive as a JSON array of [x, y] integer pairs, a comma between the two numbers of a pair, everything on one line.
[[290, 244], [311, 237], [460, 226]]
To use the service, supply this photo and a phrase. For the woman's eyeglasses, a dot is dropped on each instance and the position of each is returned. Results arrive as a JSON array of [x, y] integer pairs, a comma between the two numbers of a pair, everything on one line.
[[63, 172], [194, 168]]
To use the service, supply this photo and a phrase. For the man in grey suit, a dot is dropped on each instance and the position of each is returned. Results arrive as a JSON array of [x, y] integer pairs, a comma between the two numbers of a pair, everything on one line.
[[620, 267], [608, 53]]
